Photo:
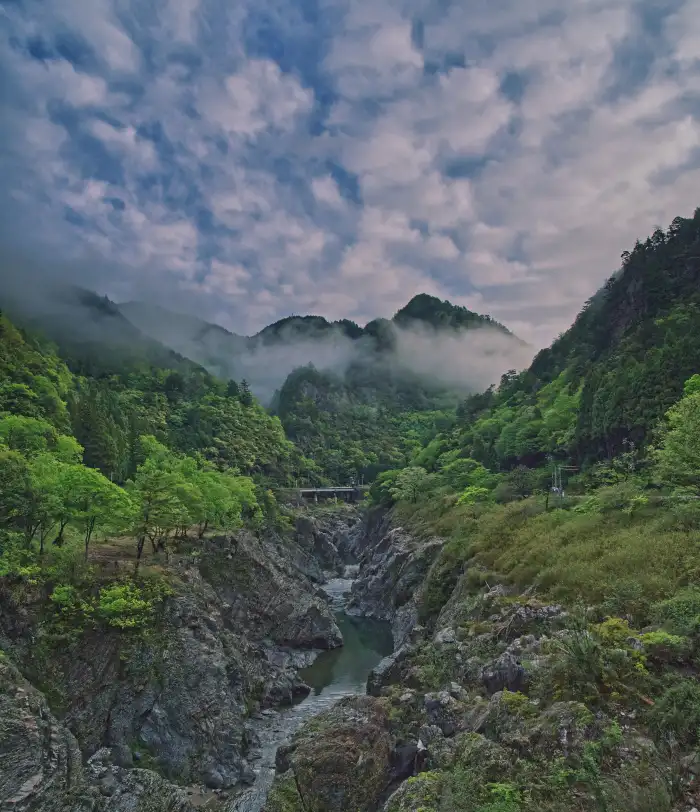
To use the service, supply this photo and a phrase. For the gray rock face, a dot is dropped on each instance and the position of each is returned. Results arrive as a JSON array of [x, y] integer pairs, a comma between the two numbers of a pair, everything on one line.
[[41, 768], [393, 566], [40, 764], [132, 790], [319, 541], [266, 595], [182, 693]]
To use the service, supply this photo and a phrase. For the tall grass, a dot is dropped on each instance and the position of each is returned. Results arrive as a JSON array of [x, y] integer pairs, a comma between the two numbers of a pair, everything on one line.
[[621, 561]]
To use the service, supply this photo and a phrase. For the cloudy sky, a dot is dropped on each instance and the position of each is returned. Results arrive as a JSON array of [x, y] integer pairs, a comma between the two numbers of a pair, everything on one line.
[[251, 159]]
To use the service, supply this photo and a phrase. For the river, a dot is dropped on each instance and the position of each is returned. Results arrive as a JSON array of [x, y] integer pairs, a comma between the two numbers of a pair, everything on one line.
[[333, 675]]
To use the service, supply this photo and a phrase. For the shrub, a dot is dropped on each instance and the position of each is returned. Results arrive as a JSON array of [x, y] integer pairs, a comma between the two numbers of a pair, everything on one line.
[[676, 713], [679, 614], [123, 606]]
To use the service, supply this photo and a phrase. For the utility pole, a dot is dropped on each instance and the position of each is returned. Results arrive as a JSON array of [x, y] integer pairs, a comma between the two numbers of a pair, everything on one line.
[[558, 481]]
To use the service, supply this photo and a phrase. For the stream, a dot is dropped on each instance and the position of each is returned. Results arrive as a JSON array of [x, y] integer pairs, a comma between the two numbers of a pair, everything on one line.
[[333, 675]]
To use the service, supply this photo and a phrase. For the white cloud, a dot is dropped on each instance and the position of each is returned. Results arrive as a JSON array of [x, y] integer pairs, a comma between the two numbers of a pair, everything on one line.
[[225, 278], [518, 206], [325, 190], [125, 140], [257, 98]]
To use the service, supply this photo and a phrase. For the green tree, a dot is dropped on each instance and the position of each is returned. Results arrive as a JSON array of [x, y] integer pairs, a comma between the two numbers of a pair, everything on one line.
[[15, 490], [522, 480], [678, 456], [159, 511], [91, 500], [28, 435], [409, 484], [474, 495]]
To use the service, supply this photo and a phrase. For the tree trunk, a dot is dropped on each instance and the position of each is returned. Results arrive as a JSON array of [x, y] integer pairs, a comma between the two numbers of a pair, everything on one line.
[[139, 552], [59, 540], [203, 529], [89, 527]]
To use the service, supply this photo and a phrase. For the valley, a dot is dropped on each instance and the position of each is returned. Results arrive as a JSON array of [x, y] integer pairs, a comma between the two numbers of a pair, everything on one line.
[[507, 621]]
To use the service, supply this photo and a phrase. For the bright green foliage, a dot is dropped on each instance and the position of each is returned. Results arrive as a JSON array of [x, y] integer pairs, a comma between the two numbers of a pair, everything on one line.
[[33, 381], [123, 606], [120, 605], [692, 385], [473, 494], [172, 493], [678, 457], [680, 614], [409, 483], [30, 436], [92, 501]]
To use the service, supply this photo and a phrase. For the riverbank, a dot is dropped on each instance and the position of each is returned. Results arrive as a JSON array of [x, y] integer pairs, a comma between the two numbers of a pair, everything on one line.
[[225, 624], [499, 698], [332, 676]]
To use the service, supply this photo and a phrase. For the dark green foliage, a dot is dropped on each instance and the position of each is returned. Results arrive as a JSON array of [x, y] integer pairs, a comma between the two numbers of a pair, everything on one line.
[[609, 379], [357, 426], [432, 311]]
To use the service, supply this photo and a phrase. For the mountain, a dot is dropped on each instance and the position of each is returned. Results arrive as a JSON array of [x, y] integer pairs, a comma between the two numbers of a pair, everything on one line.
[[204, 343], [90, 329], [604, 385], [266, 358], [356, 400]]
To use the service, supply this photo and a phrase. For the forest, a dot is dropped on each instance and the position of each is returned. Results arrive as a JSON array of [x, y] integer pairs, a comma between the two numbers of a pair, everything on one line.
[[573, 483], [149, 443]]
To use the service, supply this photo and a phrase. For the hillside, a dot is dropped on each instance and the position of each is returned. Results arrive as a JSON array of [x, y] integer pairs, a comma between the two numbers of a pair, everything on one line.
[[356, 400], [95, 337], [607, 381], [183, 407]]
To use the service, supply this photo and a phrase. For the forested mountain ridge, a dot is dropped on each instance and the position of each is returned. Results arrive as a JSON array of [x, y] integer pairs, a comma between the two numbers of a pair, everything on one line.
[[346, 395], [422, 309], [608, 380], [93, 335]]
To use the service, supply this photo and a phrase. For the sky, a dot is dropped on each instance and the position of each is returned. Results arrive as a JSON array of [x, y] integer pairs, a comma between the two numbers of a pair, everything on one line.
[[248, 160]]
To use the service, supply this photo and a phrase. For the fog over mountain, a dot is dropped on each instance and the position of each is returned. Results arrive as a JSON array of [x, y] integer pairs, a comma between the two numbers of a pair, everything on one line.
[[460, 358]]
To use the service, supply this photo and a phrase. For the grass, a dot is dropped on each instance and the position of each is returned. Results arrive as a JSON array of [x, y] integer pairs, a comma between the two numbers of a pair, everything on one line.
[[620, 562]]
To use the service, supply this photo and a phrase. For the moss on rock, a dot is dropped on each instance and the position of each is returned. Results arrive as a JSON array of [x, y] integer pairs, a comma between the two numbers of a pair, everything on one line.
[[341, 761]]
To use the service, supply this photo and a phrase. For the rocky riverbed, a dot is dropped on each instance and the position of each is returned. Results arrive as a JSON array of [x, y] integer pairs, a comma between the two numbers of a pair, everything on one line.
[[185, 698], [332, 676]]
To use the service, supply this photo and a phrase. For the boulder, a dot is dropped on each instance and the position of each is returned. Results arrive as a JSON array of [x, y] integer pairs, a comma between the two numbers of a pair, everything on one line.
[[388, 671], [341, 760], [504, 673]]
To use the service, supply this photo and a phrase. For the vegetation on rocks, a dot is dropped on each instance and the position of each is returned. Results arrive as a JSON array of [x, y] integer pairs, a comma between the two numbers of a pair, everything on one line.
[[536, 550]]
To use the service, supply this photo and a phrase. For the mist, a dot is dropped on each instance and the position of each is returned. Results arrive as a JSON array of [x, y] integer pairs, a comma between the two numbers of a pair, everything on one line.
[[462, 361]]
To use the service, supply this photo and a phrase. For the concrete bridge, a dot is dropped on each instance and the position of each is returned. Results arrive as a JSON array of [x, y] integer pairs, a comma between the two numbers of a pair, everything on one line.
[[349, 493]]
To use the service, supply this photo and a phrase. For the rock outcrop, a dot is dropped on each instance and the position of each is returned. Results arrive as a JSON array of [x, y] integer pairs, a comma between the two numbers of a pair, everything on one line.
[[340, 761], [41, 768], [393, 567], [180, 693]]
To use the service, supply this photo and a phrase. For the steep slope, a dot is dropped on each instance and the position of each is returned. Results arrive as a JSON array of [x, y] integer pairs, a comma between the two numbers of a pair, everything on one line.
[[202, 342], [606, 382], [89, 329]]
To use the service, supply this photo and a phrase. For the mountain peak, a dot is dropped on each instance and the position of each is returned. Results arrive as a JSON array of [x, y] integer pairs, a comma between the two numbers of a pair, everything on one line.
[[442, 314]]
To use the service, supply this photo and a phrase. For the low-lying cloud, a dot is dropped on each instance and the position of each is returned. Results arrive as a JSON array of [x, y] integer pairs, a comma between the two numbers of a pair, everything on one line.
[[461, 361]]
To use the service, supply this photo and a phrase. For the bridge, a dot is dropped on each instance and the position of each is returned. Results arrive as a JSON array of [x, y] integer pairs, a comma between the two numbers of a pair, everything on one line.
[[349, 493]]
